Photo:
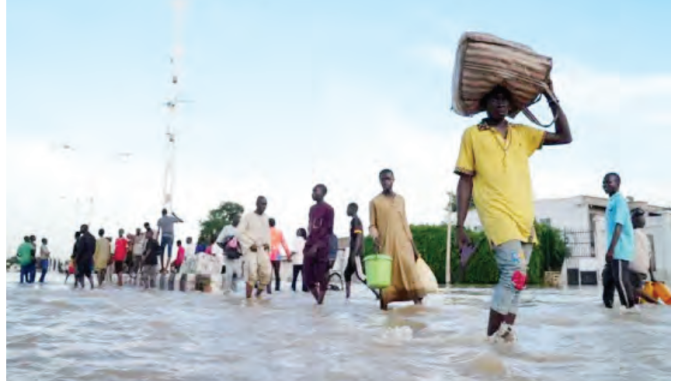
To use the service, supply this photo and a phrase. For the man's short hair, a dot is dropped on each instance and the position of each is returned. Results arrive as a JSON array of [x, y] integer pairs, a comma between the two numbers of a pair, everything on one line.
[[385, 171], [615, 175], [322, 188], [637, 212]]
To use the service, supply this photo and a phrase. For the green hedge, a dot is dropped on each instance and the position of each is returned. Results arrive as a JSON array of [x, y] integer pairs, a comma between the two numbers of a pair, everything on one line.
[[482, 269]]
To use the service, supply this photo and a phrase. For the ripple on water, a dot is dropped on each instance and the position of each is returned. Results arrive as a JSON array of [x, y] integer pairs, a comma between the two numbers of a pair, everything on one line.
[[55, 333]]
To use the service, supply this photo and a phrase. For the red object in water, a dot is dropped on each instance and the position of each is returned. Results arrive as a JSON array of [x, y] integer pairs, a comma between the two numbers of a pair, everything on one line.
[[519, 280]]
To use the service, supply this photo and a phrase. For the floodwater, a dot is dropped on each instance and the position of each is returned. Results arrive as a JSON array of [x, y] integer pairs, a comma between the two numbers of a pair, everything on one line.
[[55, 333]]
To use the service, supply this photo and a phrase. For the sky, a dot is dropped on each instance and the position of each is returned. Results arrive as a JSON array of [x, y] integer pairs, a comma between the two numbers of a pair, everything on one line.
[[284, 95]]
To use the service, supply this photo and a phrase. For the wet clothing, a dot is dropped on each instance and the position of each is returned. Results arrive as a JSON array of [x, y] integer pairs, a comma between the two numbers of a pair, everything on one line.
[[388, 222], [317, 248], [512, 258], [255, 230], [118, 266], [356, 232], [84, 258], [617, 277], [102, 254], [622, 282], [152, 252], [296, 271], [257, 268], [275, 265]]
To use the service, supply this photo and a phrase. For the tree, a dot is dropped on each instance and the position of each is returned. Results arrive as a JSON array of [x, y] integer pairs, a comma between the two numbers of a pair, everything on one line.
[[219, 217], [12, 261]]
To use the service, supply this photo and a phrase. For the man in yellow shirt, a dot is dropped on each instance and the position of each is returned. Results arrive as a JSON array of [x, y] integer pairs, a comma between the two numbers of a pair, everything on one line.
[[493, 166]]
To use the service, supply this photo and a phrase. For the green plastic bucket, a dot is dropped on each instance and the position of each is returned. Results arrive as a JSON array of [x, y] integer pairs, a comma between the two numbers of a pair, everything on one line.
[[378, 270]]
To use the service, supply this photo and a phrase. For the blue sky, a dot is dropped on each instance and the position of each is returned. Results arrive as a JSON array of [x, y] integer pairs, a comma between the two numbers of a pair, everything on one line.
[[287, 94]]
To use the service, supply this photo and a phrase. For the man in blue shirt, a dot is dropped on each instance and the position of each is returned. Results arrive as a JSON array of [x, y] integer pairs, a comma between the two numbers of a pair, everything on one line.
[[620, 242]]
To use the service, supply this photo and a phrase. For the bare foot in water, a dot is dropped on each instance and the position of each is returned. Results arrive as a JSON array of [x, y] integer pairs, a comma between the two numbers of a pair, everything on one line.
[[382, 304]]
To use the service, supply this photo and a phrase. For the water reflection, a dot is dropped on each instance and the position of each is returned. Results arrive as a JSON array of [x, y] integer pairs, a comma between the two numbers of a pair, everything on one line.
[[55, 333]]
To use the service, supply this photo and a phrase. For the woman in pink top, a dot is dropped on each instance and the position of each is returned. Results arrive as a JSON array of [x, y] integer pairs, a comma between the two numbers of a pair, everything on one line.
[[181, 253], [277, 244]]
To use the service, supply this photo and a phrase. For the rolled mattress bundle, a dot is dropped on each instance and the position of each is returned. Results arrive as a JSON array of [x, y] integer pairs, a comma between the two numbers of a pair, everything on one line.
[[485, 61]]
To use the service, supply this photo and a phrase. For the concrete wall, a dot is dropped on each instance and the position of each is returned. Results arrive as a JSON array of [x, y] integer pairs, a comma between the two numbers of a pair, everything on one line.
[[660, 230], [570, 213]]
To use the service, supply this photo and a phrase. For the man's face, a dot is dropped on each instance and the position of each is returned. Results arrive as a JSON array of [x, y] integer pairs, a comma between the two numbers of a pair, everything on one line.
[[317, 194], [498, 105], [149, 235], [610, 185], [189, 240], [262, 203], [386, 180], [83, 229], [138, 231], [236, 220]]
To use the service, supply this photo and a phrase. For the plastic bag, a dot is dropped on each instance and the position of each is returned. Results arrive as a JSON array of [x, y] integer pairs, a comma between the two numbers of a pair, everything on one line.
[[426, 276]]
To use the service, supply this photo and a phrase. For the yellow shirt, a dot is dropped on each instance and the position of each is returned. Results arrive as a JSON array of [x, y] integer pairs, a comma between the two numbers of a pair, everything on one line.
[[502, 188]]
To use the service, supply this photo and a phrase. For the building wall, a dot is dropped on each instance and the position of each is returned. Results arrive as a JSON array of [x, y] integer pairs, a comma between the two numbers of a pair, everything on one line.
[[570, 213], [660, 230]]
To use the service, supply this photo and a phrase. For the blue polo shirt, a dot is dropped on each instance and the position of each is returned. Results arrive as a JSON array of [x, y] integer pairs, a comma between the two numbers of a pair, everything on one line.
[[618, 213]]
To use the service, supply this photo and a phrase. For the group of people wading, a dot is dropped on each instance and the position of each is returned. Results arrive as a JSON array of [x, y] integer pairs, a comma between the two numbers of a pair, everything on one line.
[[493, 168]]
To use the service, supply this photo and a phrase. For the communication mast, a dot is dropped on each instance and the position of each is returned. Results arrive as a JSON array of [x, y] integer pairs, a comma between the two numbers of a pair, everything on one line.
[[171, 105]]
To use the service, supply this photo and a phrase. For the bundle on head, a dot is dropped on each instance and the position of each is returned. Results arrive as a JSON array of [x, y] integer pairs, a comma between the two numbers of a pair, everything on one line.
[[485, 61]]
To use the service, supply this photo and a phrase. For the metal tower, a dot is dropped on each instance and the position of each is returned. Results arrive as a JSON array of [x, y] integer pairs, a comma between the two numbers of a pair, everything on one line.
[[171, 105]]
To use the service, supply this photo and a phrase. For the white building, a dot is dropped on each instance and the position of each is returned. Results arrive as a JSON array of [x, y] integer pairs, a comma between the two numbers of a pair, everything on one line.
[[582, 220]]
